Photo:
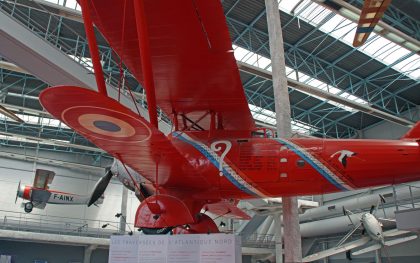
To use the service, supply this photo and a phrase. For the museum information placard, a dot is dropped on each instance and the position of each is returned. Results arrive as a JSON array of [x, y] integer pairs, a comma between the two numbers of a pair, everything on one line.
[[124, 249], [214, 248]]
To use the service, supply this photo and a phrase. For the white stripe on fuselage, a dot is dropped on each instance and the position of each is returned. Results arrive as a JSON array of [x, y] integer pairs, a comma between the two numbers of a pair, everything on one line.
[[316, 164], [227, 171]]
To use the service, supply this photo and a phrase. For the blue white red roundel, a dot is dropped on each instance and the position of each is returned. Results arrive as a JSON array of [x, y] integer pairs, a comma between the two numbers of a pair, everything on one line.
[[106, 124]]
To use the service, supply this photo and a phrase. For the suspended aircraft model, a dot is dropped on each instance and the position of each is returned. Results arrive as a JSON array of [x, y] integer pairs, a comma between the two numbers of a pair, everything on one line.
[[371, 13], [372, 234], [39, 194], [181, 53]]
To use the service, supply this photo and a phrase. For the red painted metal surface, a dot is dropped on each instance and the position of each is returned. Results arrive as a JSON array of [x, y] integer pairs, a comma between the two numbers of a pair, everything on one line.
[[190, 50], [190, 163], [145, 58], [196, 77], [203, 225], [167, 209], [93, 47], [27, 193], [226, 209], [124, 134]]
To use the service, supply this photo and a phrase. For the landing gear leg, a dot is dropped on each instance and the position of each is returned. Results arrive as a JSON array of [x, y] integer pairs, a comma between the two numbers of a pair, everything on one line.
[[28, 207]]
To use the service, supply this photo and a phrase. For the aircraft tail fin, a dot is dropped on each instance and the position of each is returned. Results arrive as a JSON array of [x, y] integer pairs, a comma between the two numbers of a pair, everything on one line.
[[413, 133]]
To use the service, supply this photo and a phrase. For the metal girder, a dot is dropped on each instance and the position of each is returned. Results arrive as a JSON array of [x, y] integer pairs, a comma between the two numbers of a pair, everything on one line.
[[325, 68], [337, 130], [293, 57], [382, 29], [328, 96], [71, 165], [33, 139]]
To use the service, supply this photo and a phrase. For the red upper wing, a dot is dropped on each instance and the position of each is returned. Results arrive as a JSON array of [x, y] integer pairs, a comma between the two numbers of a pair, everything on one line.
[[193, 64]]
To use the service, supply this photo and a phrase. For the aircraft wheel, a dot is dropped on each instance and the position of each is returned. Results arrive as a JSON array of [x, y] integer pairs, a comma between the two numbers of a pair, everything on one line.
[[28, 207], [156, 231]]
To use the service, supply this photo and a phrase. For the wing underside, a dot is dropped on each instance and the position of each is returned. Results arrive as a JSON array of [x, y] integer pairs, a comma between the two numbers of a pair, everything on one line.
[[123, 134], [336, 250], [193, 66]]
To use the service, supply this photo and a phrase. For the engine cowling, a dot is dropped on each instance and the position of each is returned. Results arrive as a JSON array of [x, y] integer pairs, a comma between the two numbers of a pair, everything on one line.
[[163, 211], [24, 192]]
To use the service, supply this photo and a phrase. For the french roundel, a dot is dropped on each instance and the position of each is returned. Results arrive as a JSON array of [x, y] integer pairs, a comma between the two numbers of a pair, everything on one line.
[[106, 124]]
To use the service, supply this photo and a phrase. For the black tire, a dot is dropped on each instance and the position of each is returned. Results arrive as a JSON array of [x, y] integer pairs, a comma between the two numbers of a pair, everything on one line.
[[28, 207], [156, 231]]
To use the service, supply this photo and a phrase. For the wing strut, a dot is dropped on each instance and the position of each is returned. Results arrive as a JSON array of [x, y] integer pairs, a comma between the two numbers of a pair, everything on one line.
[[93, 47], [146, 63]]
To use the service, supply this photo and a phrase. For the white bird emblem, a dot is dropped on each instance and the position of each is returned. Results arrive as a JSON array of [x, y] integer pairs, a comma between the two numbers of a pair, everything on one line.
[[343, 155]]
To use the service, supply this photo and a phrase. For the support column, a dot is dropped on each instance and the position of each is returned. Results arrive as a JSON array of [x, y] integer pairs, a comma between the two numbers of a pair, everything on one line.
[[124, 199], [278, 238], [88, 253], [292, 240], [378, 258]]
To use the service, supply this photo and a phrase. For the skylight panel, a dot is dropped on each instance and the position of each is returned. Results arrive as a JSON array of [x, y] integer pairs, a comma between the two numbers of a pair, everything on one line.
[[54, 1], [288, 5], [71, 4], [371, 47], [377, 47], [288, 70], [43, 121], [269, 117], [291, 73], [303, 77], [316, 83], [411, 66], [263, 62], [333, 90], [332, 23]]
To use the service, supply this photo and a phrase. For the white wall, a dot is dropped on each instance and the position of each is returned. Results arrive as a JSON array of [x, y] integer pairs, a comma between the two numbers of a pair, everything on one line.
[[68, 180], [389, 130]]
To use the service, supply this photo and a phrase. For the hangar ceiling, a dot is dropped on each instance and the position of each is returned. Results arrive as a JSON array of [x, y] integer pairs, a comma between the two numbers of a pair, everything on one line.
[[381, 74]]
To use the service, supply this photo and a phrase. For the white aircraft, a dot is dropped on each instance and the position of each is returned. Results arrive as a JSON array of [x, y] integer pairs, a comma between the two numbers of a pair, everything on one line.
[[39, 194], [372, 233]]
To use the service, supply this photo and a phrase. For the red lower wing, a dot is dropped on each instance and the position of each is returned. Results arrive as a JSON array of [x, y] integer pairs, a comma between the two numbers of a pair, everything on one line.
[[122, 133]]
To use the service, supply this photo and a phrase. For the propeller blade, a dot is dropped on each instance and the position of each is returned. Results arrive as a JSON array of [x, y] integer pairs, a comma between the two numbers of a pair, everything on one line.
[[17, 192], [100, 188]]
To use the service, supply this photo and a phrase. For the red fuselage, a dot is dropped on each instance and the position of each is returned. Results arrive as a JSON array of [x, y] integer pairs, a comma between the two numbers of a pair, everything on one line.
[[265, 167]]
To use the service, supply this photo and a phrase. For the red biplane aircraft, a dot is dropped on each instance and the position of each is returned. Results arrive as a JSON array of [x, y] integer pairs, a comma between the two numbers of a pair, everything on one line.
[[181, 52]]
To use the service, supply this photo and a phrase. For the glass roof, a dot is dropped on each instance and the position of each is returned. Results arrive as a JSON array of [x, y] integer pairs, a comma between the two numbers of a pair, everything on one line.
[[343, 29], [43, 121], [377, 47], [256, 60]]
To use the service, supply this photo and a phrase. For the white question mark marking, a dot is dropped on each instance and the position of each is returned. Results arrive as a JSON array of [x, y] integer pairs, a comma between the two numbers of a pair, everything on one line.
[[216, 148]]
